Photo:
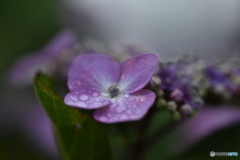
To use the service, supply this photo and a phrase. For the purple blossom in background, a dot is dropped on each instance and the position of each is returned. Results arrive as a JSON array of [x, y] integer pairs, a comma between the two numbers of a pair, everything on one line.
[[169, 76], [192, 97], [218, 79], [177, 95], [215, 75], [45, 59], [97, 81], [236, 71], [208, 121], [175, 75], [38, 130], [178, 79]]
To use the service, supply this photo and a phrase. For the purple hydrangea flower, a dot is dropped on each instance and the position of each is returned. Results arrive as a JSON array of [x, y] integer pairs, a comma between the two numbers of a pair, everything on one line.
[[208, 121], [215, 76], [97, 81], [44, 59], [218, 78], [176, 78], [192, 97], [177, 95], [169, 74]]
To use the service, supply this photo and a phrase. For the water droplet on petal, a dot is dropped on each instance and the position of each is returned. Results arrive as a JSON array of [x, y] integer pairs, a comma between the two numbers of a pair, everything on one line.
[[73, 98], [126, 95], [70, 87], [120, 109], [81, 104], [138, 111], [105, 102], [142, 99], [78, 83], [104, 94], [123, 117], [76, 92], [121, 103], [95, 94], [95, 104], [83, 97], [131, 99], [129, 111], [113, 100], [77, 126], [113, 105], [103, 118]]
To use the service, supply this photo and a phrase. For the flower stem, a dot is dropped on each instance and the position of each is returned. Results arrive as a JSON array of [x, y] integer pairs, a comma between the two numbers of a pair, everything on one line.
[[162, 132], [141, 145], [138, 148]]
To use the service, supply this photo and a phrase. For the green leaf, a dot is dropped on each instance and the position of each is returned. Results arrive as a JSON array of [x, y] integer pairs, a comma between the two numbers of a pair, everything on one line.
[[79, 136]]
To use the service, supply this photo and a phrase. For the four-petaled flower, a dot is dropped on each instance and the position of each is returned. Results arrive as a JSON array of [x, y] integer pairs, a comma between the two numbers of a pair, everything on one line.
[[96, 81]]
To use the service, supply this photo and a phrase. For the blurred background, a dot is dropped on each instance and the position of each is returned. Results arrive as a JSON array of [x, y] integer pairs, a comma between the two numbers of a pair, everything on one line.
[[210, 29], [25, 26]]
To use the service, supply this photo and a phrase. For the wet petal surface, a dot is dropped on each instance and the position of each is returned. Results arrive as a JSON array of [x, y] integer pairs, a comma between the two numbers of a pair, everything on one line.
[[96, 71], [128, 107], [87, 98], [136, 72]]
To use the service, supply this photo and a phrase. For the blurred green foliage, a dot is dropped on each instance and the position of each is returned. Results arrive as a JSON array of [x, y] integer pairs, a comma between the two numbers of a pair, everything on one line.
[[79, 136], [24, 27]]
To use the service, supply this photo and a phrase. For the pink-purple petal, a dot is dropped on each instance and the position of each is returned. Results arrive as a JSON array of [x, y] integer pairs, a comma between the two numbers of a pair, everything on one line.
[[130, 107], [208, 121], [64, 40], [87, 98], [137, 71], [24, 69], [96, 71]]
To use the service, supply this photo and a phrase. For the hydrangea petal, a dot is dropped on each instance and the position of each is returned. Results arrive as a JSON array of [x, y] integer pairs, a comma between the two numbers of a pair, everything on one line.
[[96, 71], [87, 98], [209, 120], [24, 69], [126, 108], [137, 71], [62, 41]]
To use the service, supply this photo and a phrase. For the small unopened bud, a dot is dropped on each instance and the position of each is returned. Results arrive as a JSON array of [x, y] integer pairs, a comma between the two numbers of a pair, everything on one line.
[[236, 80], [176, 116], [160, 93], [219, 88], [186, 109], [156, 80], [161, 103], [171, 106], [154, 83], [198, 102], [177, 95]]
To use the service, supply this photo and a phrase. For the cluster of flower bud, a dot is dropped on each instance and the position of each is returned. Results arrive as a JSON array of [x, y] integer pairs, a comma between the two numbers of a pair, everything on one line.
[[186, 85]]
